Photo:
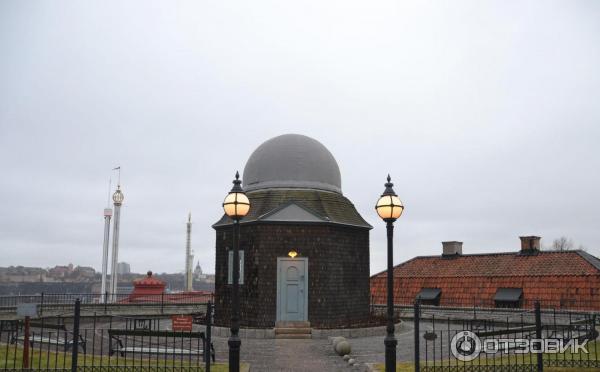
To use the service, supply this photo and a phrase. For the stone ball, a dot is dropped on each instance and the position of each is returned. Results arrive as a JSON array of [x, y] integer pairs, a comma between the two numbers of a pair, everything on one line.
[[346, 357], [351, 362], [335, 340], [342, 348]]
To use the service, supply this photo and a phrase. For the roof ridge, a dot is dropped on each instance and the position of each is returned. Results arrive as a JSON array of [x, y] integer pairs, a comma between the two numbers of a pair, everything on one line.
[[400, 264], [503, 254]]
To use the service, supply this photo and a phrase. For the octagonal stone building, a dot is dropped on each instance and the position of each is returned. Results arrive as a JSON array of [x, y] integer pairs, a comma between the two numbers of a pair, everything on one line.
[[304, 248]]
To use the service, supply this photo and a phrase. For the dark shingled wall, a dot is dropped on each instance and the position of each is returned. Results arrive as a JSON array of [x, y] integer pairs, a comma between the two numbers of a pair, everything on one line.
[[338, 272]]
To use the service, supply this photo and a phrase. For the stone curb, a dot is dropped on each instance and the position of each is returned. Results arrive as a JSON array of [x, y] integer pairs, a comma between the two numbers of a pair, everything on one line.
[[262, 333], [351, 332]]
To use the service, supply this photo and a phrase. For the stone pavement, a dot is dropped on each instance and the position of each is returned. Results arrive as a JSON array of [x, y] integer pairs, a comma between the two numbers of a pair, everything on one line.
[[315, 354], [285, 355]]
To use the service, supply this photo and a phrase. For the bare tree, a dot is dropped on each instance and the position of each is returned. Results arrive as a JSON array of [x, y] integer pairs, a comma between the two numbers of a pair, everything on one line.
[[562, 244]]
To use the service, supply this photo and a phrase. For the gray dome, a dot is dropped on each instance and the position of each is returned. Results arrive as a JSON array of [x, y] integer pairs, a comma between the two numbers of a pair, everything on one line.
[[292, 161]]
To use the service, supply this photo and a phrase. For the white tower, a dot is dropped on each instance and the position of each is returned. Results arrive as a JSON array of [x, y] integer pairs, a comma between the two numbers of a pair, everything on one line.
[[107, 216], [189, 259], [118, 198]]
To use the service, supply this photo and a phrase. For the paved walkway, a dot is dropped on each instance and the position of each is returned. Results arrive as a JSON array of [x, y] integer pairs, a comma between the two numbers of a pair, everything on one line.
[[285, 355], [314, 355]]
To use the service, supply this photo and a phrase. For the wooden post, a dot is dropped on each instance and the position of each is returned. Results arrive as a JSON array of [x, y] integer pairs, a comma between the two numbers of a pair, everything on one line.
[[26, 344]]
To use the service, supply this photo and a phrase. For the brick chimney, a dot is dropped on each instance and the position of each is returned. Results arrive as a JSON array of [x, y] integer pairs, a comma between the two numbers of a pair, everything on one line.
[[530, 244], [451, 249]]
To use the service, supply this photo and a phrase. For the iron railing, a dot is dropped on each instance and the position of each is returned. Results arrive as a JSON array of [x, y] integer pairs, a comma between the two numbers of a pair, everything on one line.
[[101, 298], [438, 339], [71, 342]]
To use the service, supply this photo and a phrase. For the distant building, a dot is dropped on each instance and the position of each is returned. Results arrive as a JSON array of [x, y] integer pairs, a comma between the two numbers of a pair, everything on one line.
[[558, 279], [123, 268], [60, 271], [22, 274], [198, 269], [208, 278], [57, 274], [198, 275], [84, 272]]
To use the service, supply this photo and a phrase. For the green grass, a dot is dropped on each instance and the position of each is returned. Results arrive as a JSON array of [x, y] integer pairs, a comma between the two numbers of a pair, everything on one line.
[[521, 359], [59, 360], [410, 367]]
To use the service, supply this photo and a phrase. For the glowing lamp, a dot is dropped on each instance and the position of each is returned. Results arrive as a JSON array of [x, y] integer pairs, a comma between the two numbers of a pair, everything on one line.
[[389, 206], [236, 204]]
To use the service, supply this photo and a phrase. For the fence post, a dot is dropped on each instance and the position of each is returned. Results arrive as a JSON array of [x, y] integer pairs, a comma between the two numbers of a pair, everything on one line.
[[417, 319], [162, 302], [538, 335], [42, 305], [75, 345], [26, 344], [105, 301], [207, 349]]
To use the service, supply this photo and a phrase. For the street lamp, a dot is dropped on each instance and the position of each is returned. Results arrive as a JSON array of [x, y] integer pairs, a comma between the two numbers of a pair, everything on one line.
[[390, 208], [236, 205]]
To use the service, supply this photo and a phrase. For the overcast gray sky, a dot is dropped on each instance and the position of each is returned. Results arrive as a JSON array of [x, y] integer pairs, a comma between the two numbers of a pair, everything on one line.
[[486, 114]]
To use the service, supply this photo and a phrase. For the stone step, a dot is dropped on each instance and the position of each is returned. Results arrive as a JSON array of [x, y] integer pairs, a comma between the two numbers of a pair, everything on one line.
[[292, 324], [280, 330], [293, 336]]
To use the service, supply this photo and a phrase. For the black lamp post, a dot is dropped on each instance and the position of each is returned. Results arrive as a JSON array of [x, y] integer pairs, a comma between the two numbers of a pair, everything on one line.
[[236, 206], [390, 208]]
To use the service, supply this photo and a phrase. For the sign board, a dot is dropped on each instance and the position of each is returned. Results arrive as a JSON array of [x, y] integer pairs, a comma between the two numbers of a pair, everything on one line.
[[182, 323], [27, 310], [9, 325]]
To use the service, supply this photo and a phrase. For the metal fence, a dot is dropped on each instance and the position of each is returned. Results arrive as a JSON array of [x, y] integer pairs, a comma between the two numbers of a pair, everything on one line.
[[106, 298], [520, 340], [71, 342], [50, 304]]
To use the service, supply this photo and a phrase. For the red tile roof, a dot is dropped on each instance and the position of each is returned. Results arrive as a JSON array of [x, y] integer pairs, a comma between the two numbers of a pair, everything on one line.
[[561, 279], [544, 263]]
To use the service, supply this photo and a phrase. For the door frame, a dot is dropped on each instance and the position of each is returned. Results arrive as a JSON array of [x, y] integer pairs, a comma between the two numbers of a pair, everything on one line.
[[278, 305]]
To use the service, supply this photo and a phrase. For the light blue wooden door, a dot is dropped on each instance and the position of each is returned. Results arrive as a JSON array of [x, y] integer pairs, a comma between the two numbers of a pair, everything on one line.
[[292, 289]]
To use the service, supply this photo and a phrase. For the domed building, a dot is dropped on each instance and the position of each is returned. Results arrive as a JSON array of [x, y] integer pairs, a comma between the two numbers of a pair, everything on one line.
[[304, 249]]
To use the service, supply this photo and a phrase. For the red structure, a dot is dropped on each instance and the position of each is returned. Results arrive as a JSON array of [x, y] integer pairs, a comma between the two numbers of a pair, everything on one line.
[[558, 279], [152, 290], [146, 288]]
